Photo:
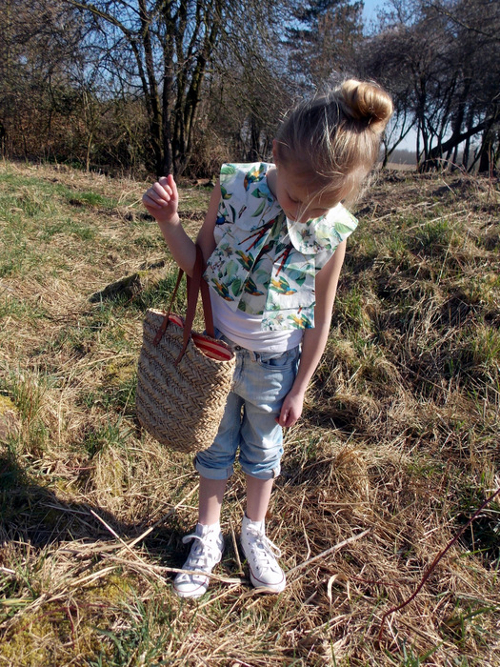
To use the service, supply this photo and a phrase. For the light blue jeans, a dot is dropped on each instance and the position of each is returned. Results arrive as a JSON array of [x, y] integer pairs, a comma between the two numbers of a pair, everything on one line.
[[261, 382]]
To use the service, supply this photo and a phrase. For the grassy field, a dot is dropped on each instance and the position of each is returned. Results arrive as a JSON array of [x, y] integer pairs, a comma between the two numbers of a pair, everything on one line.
[[398, 447]]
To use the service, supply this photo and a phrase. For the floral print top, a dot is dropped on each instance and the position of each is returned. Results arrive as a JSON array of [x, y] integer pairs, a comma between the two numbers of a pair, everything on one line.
[[263, 263]]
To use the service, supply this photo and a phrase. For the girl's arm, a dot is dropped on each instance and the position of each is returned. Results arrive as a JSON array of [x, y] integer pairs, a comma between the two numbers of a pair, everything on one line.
[[314, 341], [162, 201], [205, 238]]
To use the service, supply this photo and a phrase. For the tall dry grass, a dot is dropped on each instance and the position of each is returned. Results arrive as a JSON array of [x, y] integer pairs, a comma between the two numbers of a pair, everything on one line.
[[397, 448]]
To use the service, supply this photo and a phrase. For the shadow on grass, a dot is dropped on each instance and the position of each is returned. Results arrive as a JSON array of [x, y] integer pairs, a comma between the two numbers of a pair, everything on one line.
[[31, 513]]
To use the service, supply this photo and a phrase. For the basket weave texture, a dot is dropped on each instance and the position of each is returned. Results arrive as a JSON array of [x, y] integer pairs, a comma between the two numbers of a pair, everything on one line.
[[180, 404]]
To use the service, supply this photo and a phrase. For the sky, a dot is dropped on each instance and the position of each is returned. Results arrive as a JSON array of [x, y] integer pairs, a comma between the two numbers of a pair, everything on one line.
[[369, 11]]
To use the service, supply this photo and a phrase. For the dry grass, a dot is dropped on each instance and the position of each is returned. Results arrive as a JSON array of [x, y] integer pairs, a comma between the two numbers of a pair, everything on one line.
[[400, 439]]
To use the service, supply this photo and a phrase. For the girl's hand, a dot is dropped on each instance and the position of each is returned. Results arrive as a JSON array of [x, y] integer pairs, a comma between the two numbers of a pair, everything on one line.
[[162, 201], [291, 409]]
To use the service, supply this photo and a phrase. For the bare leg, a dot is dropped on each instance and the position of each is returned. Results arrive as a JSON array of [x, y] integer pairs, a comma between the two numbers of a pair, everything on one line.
[[258, 496], [265, 572], [211, 494]]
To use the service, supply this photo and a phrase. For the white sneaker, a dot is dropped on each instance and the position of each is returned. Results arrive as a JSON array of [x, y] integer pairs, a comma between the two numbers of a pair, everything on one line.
[[261, 554], [205, 553]]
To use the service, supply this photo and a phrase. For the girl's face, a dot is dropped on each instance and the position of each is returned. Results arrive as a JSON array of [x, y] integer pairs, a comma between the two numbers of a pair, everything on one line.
[[298, 197]]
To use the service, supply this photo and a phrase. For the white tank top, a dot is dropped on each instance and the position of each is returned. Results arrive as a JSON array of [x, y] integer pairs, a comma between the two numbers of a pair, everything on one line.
[[244, 329]]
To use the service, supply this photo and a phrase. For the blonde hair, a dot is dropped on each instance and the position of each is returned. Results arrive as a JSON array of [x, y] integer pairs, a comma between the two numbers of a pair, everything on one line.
[[334, 139]]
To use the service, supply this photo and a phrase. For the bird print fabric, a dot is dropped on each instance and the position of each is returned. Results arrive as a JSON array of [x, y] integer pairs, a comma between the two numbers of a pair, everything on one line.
[[263, 263]]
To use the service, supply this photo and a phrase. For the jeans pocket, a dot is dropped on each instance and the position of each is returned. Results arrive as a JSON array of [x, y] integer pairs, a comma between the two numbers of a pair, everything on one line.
[[280, 361]]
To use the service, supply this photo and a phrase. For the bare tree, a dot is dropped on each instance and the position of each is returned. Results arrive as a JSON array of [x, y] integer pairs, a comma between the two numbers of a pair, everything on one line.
[[164, 50], [161, 50], [38, 51], [322, 37], [441, 60]]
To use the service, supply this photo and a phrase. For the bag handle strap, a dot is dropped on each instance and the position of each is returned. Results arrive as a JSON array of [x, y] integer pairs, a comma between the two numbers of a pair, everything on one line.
[[195, 284]]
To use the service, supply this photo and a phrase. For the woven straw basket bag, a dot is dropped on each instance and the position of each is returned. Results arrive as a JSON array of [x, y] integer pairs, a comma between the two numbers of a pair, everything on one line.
[[183, 377]]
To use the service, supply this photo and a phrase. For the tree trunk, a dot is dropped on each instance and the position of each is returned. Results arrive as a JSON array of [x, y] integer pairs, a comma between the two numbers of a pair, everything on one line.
[[152, 91], [486, 153]]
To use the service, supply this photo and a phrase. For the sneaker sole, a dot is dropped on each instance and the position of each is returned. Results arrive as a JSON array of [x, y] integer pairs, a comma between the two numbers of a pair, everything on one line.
[[185, 594], [265, 590], [261, 587]]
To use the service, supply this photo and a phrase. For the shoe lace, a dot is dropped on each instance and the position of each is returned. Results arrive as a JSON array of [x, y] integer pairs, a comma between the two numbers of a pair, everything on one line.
[[263, 548], [202, 554]]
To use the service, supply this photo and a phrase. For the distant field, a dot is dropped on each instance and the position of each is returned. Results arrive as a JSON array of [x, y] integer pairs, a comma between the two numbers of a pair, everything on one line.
[[399, 439], [401, 167]]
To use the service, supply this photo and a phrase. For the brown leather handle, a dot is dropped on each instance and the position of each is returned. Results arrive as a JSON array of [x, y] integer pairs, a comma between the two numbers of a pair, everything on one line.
[[195, 284]]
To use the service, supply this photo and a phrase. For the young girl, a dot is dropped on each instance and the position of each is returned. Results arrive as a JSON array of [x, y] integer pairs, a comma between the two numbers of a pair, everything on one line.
[[274, 240]]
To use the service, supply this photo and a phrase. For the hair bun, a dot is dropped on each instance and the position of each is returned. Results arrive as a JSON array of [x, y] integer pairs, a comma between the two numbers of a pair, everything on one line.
[[367, 102]]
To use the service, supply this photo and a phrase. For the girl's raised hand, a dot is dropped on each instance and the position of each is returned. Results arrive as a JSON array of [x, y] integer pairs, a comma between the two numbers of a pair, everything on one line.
[[162, 200]]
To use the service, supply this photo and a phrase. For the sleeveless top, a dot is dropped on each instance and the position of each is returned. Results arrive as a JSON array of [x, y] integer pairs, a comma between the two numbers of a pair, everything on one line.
[[245, 330], [265, 264]]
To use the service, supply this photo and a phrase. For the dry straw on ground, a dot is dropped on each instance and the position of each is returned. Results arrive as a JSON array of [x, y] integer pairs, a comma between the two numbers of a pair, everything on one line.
[[398, 445]]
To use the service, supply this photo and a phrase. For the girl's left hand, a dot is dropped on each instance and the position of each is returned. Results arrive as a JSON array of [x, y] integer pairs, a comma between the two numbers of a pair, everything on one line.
[[291, 409]]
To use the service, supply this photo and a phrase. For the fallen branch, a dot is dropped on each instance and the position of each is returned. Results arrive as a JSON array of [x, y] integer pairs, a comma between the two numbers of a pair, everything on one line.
[[436, 560], [163, 518], [145, 565], [331, 550], [138, 565]]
